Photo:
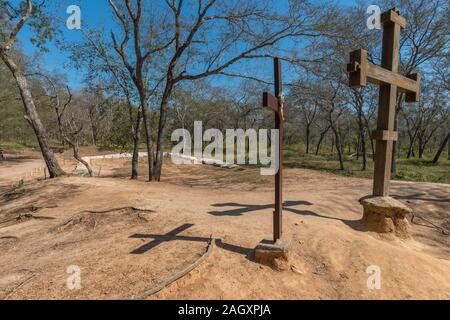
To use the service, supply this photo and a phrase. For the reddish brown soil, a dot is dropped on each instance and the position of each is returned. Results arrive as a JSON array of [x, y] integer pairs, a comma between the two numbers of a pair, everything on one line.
[[331, 249]]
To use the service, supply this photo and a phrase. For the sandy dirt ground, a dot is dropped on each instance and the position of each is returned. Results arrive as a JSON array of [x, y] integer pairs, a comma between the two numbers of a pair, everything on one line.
[[156, 229]]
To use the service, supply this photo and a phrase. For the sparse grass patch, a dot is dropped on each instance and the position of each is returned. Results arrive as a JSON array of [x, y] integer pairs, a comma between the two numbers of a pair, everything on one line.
[[421, 170], [12, 145]]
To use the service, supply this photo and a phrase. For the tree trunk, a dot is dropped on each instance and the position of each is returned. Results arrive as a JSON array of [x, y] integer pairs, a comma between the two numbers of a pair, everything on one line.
[[136, 140], [135, 159], [421, 150], [358, 148], [448, 151], [394, 149], [362, 143], [441, 148], [411, 148], [338, 147], [332, 144], [161, 131], [308, 134], [372, 145], [322, 136], [136, 134], [148, 136], [33, 117], [412, 140], [364, 153], [94, 135], [77, 156]]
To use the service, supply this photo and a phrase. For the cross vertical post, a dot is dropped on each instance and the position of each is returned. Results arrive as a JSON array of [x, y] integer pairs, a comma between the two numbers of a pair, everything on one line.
[[277, 105], [278, 213], [386, 108]]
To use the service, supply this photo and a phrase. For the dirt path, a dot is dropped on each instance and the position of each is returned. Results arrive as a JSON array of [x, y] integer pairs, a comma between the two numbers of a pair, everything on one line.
[[124, 252]]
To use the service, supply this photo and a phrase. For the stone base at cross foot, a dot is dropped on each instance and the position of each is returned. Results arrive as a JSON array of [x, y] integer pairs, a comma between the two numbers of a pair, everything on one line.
[[275, 254], [387, 216]]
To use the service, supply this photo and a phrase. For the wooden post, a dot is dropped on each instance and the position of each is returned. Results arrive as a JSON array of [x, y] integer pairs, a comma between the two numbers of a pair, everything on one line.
[[361, 72], [281, 110], [386, 108], [278, 213]]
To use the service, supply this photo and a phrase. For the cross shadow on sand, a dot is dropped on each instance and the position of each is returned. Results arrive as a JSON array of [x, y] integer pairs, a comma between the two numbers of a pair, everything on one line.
[[241, 209], [421, 196], [175, 235]]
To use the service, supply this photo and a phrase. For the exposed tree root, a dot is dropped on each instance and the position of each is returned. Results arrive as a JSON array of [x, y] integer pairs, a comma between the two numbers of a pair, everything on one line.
[[443, 231], [27, 214], [12, 194], [116, 209], [177, 275], [119, 209], [82, 217], [20, 285]]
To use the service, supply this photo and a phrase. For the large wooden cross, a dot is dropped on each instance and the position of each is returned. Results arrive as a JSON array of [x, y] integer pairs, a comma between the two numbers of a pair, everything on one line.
[[390, 81], [278, 106]]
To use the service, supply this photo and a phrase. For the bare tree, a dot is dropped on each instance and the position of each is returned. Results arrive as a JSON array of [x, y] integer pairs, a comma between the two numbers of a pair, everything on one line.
[[131, 22], [445, 143], [107, 68], [334, 113], [243, 30], [72, 129], [69, 128], [422, 41], [98, 109], [32, 116], [309, 109], [323, 131], [358, 103]]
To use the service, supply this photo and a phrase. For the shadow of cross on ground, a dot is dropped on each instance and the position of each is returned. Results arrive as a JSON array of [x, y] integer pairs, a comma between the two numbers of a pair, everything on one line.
[[159, 239], [240, 209], [174, 235], [244, 208], [421, 196]]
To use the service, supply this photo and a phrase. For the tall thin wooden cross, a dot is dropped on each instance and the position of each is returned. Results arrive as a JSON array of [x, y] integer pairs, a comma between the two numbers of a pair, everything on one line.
[[390, 81], [276, 104]]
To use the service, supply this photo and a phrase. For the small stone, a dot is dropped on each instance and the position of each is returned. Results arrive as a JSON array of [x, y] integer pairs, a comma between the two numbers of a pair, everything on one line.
[[297, 270]]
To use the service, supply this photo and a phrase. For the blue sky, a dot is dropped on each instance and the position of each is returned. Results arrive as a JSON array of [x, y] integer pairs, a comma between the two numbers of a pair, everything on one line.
[[95, 14]]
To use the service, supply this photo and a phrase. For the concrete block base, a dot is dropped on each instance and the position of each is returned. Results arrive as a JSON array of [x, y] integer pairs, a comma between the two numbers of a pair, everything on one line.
[[386, 215], [273, 254]]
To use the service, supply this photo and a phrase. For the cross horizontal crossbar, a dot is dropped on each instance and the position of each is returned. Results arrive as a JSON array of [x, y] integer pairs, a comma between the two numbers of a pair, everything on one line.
[[385, 135], [271, 102], [159, 239], [361, 72]]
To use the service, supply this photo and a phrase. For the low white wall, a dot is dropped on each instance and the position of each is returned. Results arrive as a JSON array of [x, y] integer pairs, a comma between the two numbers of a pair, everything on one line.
[[81, 169]]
